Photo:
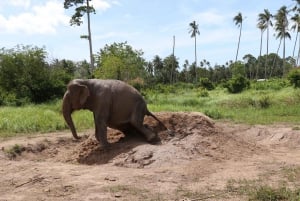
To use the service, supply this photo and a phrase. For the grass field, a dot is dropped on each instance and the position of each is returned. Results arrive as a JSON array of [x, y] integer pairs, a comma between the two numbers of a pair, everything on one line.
[[264, 103]]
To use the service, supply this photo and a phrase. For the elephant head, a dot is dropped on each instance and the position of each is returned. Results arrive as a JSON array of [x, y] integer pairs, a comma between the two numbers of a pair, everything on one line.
[[74, 99]]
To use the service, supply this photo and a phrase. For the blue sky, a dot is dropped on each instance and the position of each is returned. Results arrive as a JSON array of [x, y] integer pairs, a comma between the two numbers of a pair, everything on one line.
[[146, 25]]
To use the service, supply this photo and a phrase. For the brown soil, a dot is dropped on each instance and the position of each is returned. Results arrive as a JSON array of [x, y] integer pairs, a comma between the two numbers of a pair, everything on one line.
[[197, 163]]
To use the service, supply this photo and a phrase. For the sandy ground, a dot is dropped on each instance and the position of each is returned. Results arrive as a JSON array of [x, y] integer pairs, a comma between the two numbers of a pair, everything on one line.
[[203, 161]]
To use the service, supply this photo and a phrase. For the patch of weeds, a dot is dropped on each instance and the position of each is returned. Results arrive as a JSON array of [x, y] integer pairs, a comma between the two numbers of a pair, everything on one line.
[[203, 93], [292, 173], [241, 187], [296, 128], [14, 151], [267, 193], [256, 191], [125, 190], [191, 102], [264, 102], [213, 113], [186, 194]]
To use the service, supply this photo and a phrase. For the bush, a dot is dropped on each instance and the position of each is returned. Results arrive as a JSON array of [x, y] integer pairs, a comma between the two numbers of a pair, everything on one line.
[[273, 84], [264, 102], [202, 93], [294, 77], [137, 83], [207, 84], [237, 84]]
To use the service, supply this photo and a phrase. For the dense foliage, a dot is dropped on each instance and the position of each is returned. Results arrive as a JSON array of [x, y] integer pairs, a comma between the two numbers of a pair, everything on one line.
[[119, 61], [294, 77], [27, 76]]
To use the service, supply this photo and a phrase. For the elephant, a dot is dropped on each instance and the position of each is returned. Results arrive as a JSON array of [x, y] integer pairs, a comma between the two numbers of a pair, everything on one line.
[[114, 104]]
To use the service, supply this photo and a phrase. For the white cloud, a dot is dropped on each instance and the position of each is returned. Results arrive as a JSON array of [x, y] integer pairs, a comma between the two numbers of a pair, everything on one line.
[[211, 18], [20, 3], [39, 20], [103, 5]]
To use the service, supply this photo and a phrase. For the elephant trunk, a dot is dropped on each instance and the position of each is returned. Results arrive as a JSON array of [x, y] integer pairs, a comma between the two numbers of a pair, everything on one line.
[[67, 111]]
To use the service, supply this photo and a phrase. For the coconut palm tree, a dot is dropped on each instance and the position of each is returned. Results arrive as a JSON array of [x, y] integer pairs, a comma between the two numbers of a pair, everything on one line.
[[238, 20], [281, 27], [194, 31], [262, 28], [296, 27], [264, 23]]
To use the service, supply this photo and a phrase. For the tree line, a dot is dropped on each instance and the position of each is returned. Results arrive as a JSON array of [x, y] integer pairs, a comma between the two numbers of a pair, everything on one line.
[[27, 75]]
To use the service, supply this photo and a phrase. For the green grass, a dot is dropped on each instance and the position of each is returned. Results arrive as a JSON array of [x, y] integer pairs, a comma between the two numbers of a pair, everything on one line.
[[252, 106], [264, 103], [38, 118]]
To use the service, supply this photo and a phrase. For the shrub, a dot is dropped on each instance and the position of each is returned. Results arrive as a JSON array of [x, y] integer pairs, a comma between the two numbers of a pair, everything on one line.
[[294, 77], [237, 84], [213, 113], [203, 93], [206, 83], [264, 102], [137, 83]]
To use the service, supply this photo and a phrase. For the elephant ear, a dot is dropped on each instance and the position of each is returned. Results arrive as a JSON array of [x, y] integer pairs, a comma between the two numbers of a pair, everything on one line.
[[84, 94], [79, 93]]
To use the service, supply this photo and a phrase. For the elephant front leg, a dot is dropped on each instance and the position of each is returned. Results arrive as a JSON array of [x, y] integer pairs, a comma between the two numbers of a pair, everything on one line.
[[101, 131]]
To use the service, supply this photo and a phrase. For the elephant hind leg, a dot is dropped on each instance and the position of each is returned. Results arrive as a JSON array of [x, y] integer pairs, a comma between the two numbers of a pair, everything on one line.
[[150, 136], [137, 120]]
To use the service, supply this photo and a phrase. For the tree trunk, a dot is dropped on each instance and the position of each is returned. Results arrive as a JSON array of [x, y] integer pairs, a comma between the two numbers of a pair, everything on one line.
[[266, 63], [298, 54], [90, 37], [237, 51], [196, 77], [261, 37], [295, 43]]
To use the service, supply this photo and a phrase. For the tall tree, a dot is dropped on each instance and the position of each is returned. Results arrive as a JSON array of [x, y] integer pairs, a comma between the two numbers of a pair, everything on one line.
[[194, 31], [262, 28], [120, 61], [159, 70], [238, 20], [281, 27], [265, 22], [82, 7], [296, 27]]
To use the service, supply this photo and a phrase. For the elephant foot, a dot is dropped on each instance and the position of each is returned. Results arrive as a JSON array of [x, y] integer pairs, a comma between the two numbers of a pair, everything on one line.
[[153, 138]]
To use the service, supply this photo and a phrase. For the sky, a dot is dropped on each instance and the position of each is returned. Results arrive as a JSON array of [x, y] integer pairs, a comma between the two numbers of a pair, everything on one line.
[[145, 25]]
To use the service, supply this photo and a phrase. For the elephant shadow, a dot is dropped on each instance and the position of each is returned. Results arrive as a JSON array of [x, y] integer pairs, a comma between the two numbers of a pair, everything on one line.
[[91, 152]]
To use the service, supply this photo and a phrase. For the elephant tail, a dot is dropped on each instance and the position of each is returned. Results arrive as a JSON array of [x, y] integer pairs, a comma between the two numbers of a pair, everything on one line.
[[159, 121]]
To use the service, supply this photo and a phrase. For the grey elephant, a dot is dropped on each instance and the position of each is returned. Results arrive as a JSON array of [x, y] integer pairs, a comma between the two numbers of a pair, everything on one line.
[[114, 104]]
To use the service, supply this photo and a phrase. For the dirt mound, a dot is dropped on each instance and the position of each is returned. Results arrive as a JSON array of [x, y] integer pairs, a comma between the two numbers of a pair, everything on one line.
[[194, 135]]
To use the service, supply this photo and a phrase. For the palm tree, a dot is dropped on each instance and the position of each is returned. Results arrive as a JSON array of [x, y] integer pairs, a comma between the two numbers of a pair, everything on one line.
[[281, 27], [296, 27], [264, 23], [194, 30], [262, 28], [238, 19], [158, 67]]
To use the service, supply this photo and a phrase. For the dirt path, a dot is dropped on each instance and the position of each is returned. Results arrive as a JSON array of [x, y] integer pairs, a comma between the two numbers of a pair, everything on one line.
[[204, 160]]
